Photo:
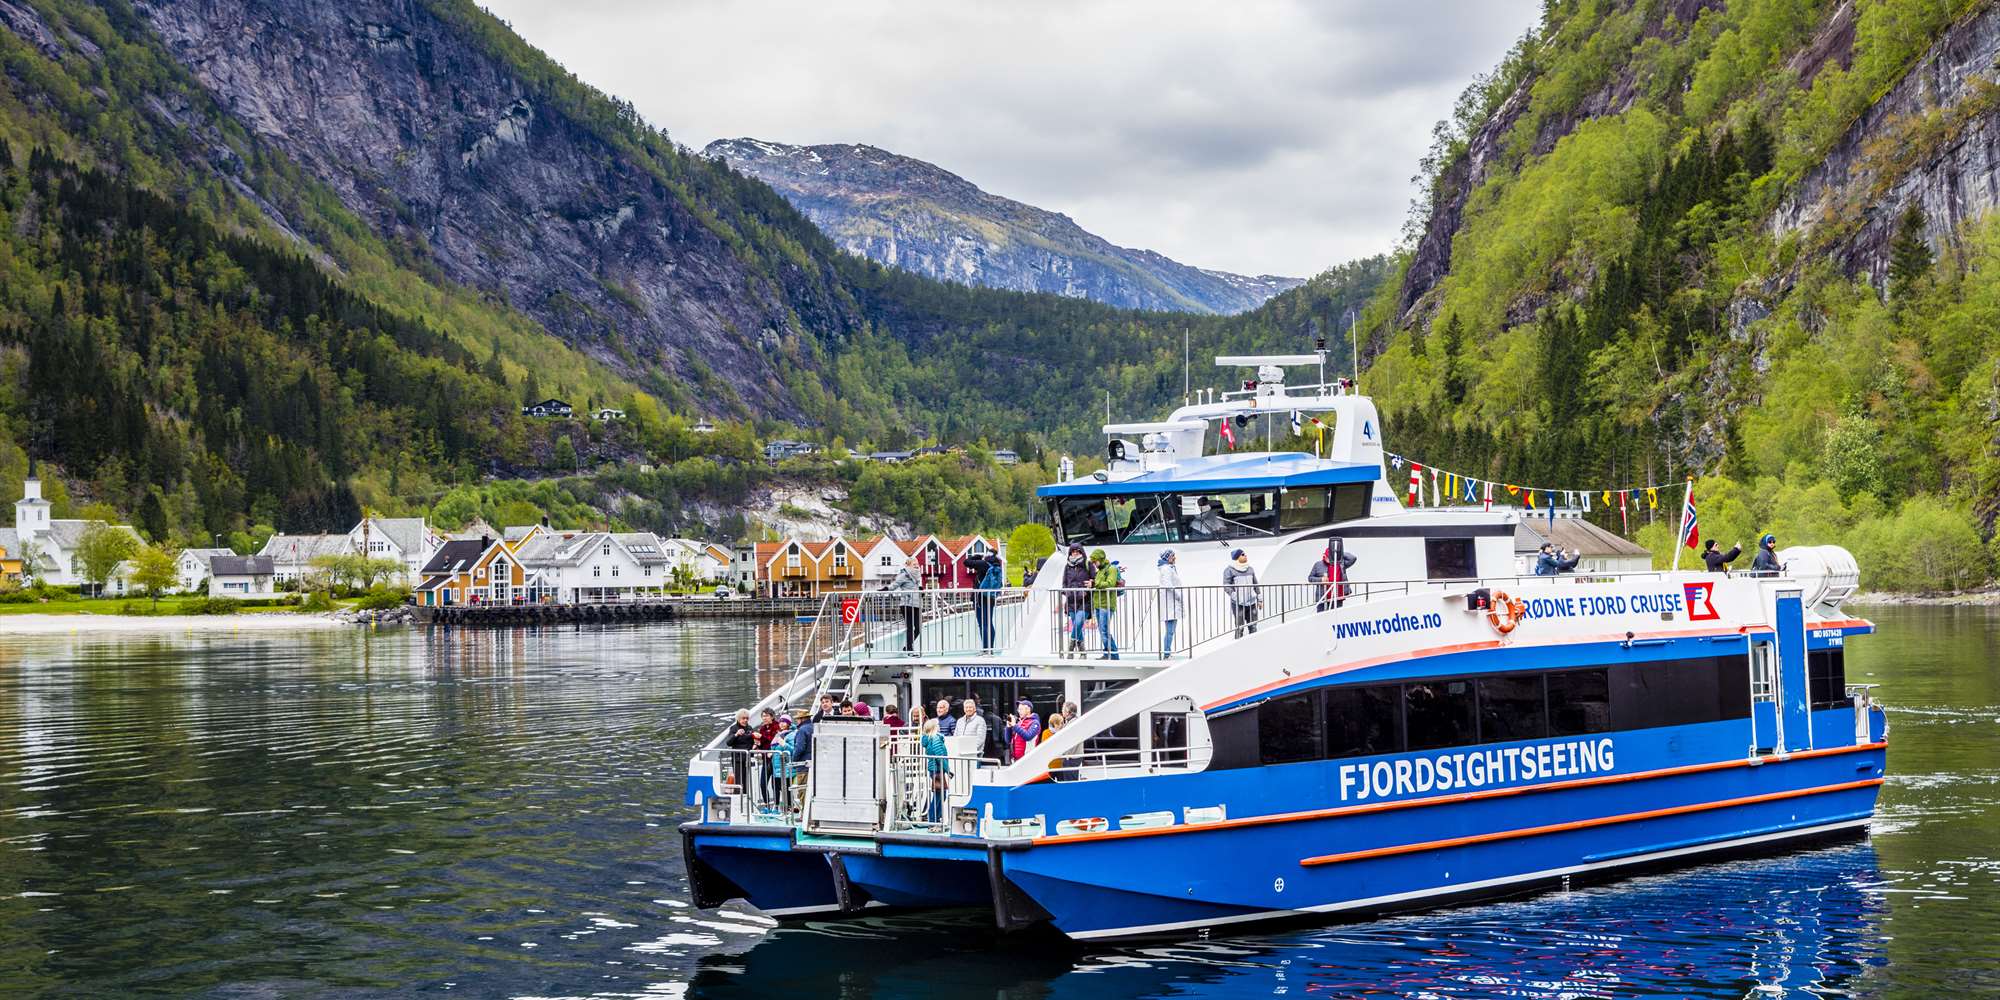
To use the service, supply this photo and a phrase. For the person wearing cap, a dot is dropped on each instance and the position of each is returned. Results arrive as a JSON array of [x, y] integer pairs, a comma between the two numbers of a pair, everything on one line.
[[1239, 581], [1717, 560], [1078, 580], [1173, 600], [1331, 573], [1767, 557], [1023, 728]]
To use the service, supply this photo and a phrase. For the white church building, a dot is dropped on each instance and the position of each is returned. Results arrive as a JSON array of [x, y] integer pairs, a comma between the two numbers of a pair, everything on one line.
[[48, 544]]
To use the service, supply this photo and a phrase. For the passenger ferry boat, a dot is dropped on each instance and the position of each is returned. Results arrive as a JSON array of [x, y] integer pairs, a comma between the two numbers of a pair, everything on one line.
[[1443, 731]]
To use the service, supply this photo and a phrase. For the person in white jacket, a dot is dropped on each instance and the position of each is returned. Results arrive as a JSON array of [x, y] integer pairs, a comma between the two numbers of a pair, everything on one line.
[[1173, 600]]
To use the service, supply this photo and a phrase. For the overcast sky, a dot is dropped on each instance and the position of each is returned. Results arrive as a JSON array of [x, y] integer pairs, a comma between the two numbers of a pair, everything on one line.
[[1250, 135]]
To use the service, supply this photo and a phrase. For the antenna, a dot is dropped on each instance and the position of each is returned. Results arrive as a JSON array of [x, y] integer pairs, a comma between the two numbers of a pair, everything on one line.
[[1354, 347], [1187, 365]]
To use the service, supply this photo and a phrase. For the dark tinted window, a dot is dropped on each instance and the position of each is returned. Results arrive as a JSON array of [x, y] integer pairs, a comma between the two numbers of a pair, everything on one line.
[[1235, 740], [1579, 702], [1288, 729], [1305, 507], [1439, 714], [1364, 721], [1121, 736], [1679, 692], [1448, 559], [1826, 676], [1510, 708], [1350, 501]]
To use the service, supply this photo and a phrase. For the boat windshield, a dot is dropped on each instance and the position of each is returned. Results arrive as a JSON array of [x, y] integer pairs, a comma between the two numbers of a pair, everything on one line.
[[1163, 517]]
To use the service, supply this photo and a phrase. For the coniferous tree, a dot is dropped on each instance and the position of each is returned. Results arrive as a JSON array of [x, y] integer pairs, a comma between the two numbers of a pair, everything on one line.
[[1910, 256]]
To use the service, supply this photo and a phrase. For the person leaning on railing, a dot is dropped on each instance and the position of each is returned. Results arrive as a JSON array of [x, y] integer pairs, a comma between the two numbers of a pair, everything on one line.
[[1239, 581]]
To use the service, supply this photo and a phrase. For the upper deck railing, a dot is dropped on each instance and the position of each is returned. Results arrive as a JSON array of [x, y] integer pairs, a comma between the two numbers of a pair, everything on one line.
[[874, 625]]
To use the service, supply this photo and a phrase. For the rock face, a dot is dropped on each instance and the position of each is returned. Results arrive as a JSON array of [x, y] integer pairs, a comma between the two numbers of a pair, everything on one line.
[[916, 216], [440, 146], [1941, 124]]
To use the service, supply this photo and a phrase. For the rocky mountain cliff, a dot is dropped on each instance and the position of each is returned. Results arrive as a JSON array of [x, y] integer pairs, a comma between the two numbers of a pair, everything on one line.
[[493, 169], [919, 217]]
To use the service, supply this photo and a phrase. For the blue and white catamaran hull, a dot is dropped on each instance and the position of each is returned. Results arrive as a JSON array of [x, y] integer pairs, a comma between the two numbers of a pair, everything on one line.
[[1431, 733]]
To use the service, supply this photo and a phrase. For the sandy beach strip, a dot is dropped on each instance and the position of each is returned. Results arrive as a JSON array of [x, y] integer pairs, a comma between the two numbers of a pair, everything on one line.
[[249, 622]]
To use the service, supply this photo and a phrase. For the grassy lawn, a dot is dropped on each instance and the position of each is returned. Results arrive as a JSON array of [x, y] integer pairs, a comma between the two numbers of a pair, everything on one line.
[[140, 605]]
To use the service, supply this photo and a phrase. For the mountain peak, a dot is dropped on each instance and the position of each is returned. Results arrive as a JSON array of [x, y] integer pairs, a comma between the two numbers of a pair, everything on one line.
[[915, 215]]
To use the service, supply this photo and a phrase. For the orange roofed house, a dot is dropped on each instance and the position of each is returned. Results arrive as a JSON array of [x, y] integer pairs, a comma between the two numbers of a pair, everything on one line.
[[798, 568]]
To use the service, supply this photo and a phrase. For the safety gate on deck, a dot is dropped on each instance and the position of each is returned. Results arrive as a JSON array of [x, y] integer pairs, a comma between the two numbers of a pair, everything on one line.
[[846, 789]]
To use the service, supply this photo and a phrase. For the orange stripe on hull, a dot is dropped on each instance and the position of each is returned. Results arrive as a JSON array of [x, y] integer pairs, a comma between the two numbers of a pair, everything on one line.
[[1583, 824]]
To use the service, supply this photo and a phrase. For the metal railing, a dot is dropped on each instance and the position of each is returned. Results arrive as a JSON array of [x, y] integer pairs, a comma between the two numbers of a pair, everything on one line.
[[926, 788], [770, 784], [1135, 622], [1087, 764]]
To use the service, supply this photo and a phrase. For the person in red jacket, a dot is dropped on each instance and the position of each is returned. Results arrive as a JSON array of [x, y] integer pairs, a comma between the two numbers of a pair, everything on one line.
[[1023, 729]]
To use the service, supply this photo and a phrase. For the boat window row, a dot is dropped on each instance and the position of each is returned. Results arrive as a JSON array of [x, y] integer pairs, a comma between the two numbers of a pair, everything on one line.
[[1368, 720], [1178, 517]]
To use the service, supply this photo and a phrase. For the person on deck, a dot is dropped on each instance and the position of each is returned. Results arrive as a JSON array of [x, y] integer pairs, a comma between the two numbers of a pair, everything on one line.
[[893, 717], [1024, 729], [947, 722], [1716, 560], [1767, 557], [741, 740], [973, 724], [1173, 601], [988, 574], [1106, 581], [908, 582], [1077, 581], [1331, 573], [1239, 581], [1551, 561], [935, 764]]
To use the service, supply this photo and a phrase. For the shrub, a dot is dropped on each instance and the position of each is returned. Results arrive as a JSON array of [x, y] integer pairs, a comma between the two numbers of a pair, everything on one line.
[[318, 600], [383, 598], [212, 606]]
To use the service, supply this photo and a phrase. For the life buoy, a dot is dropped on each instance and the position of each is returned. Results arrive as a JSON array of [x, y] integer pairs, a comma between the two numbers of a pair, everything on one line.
[[1505, 612], [1090, 824]]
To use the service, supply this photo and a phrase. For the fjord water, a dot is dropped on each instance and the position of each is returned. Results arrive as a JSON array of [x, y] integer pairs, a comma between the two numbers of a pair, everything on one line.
[[493, 814]]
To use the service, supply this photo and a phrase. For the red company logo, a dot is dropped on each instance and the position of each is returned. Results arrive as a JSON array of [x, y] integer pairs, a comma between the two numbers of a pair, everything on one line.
[[1701, 602]]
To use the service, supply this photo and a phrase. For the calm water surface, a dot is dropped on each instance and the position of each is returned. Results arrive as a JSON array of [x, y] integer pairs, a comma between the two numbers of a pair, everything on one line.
[[361, 814]]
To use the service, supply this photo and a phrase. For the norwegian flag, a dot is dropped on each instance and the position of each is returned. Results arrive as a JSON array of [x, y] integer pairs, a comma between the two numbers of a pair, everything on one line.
[[1228, 435], [1690, 535]]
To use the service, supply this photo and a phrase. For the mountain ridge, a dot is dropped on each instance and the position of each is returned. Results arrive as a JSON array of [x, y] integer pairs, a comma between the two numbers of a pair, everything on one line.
[[904, 212]]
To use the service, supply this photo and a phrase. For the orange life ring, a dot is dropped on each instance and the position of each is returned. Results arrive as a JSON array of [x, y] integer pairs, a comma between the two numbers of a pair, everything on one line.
[[1090, 824], [1513, 608]]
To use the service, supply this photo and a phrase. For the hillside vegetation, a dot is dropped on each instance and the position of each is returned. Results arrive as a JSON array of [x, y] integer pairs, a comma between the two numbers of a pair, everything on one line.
[[1617, 305]]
